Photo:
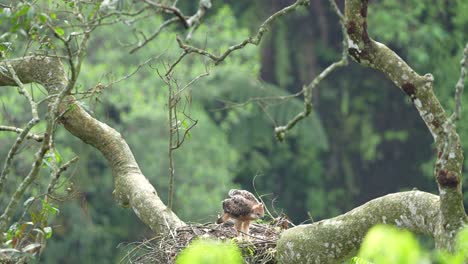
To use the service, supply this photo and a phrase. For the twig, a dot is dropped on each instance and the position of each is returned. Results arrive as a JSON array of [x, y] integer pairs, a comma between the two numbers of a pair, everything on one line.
[[155, 34], [174, 129], [459, 87], [193, 81], [257, 99], [24, 133], [170, 9], [18, 130], [14, 150], [203, 6], [56, 174], [134, 71], [23, 91], [281, 131], [190, 22], [179, 59], [5, 218], [254, 40], [127, 256]]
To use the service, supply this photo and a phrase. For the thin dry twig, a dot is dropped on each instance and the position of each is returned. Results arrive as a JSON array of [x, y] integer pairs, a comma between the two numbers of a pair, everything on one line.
[[14, 149], [173, 65], [56, 174], [281, 131], [254, 40], [18, 130], [281, 99], [459, 87], [25, 131], [154, 35], [191, 22], [170, 9], [258, 248], [22, 90]]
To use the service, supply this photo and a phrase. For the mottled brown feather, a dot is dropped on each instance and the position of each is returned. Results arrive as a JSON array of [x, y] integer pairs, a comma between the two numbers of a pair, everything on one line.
[[242, 207], [237, 206], [246, 194]]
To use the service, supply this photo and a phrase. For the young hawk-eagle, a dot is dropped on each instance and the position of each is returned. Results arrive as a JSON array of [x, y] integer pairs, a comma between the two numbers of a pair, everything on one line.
[[242, 207]]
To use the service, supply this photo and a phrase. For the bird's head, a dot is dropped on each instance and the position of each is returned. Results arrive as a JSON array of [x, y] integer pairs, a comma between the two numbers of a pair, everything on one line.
[[258, 211]]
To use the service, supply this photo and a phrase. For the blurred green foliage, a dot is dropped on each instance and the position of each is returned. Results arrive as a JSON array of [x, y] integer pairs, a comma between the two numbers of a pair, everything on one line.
[[385, 244], [202, 251]]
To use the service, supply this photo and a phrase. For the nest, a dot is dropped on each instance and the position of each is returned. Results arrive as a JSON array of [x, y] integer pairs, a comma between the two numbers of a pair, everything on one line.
[[259, 246]]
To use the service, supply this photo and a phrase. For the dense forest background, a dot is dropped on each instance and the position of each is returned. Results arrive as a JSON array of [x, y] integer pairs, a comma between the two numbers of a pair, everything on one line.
[[364, 139]]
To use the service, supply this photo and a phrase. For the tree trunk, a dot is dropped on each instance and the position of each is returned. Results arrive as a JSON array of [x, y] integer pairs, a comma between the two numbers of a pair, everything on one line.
[[132, 188]]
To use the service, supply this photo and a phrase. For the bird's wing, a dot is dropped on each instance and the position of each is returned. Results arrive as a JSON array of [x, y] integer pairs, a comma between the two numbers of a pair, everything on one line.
[[246, 194], [237, 206]]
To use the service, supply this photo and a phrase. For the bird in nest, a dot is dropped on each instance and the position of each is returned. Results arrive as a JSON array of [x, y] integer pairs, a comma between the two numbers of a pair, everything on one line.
[[242, 207]]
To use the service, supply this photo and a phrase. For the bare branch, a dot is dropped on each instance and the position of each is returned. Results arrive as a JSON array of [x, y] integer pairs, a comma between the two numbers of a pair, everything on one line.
[[461, 84], [258, 100], [191, 22], [192, 82], [55, 84], [170, 9], [179, 59], [254, 40], [24, 133], [23, 91], [281, 131], [14, 150], [154, 35], [56, 174], [203, 6], [18, 130]]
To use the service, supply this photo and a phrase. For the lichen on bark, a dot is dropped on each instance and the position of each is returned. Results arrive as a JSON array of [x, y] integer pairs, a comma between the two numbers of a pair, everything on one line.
[[336, 239]]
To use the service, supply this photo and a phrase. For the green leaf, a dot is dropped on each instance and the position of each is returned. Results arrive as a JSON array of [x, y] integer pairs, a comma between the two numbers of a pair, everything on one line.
[[387, 244], [23, 11], [358, 260], [59, 31], [49, 208], [43, 17], [462, 241], [34, 217], [58, 157], [46, 162], [210, 252], [5, 47], [184, 124], [53, 16]]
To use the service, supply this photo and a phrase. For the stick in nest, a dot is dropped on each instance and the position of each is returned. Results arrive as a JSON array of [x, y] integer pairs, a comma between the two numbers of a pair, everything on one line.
[[260, 248]]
